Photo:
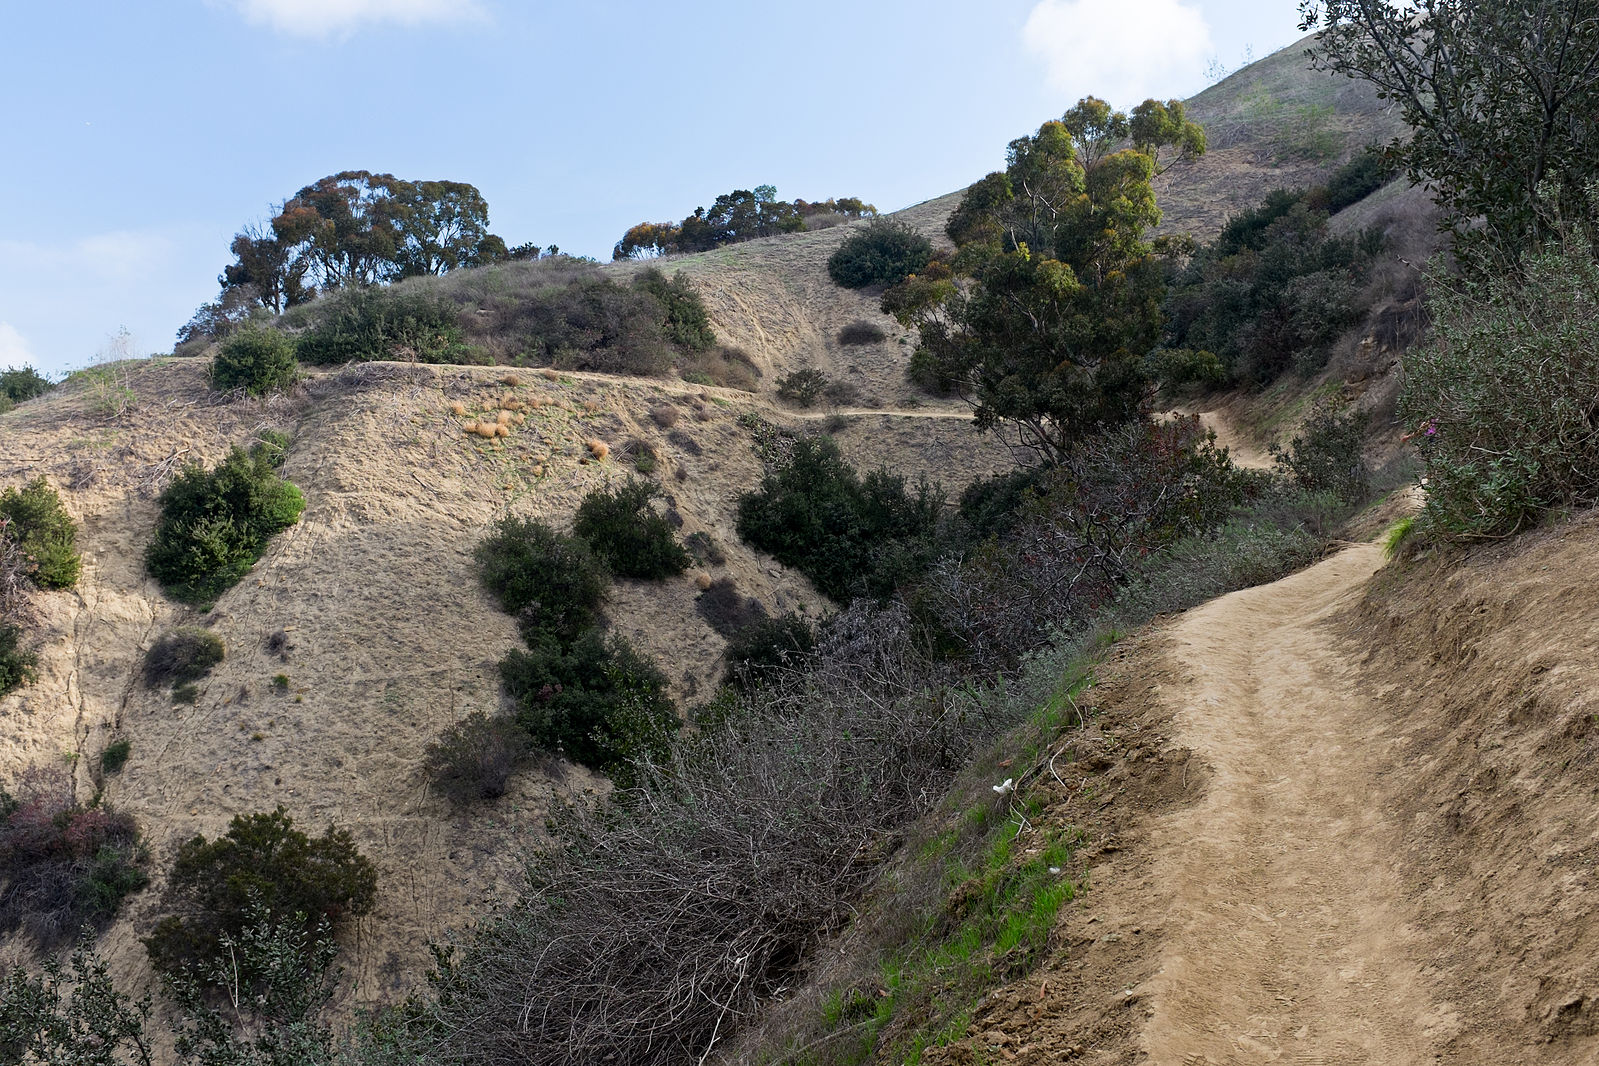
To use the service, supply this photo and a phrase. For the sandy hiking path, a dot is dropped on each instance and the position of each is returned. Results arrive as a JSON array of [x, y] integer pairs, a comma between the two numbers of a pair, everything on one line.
[[1288, 934]]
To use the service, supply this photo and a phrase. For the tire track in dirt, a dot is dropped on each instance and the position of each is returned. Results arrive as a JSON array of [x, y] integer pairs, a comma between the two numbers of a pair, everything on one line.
[[1288, 927]]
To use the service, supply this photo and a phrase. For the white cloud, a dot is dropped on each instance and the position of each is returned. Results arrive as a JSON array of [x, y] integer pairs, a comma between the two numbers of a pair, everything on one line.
[[325, 18], [14, 350], [1120, 50]]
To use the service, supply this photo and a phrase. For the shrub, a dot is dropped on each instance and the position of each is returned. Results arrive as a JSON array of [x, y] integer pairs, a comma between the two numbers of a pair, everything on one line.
[[215, 524], [885, 252], [590, 323], [552, 582], [363, 323], [851, 536], [769, 647], [598, 702], [1501, 399], [23, 383], [262, 866], [1357, 179], [1327, 456], [182, 656], [17, 663], [1271, 294], [1178, 368], [727, 610], [628, 534], [862, 332], [665, 415], [35, 519], [803, 387], [687, 326], [258, 360], [63, 864], [705, 549], [115, 755], [473, 759], [723, 366]]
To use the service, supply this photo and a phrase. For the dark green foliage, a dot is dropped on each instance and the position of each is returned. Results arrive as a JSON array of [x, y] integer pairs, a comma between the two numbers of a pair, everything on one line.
[[182, 656], [216, 523], [473, 759], [35, 519], [368, 322], [851, 536], [258, 360], [688, 326], [1272, 294], [1184, 368], [186, 693], [726, 609], [263, 867], [115, 755], [1501, 399], [19, 384], [768, 647], [552, 582], [17, 663], [886, 252], [1357, 179], [625, 531], [1049, 336], [597, 701], [63, 864], [1326, 455], [991, 506], [740, 215]]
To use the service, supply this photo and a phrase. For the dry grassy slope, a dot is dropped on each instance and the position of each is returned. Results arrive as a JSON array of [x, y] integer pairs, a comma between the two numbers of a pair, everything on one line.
[[390, 637], [1274, 124]]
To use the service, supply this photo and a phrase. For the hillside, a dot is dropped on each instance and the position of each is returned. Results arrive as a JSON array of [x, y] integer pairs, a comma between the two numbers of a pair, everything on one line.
[[386, 637]]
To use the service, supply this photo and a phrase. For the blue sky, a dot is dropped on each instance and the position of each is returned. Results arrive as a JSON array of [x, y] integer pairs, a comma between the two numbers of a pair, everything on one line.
[[139, 137]]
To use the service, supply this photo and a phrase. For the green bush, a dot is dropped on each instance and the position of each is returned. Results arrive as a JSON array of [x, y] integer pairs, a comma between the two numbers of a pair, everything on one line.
[[1357, 179], [688, 325], [1271, 294], [552, 582], [1501, 399], [19, 384], [182, 656], [115, 755], [17, 663], [263, 864], [35, 519], [215, 524], [1327, 455], [628, 534], [851, 536], [369, 322], [763, 649], [591, 323], [258, 360], [885, 252], [598, 702]]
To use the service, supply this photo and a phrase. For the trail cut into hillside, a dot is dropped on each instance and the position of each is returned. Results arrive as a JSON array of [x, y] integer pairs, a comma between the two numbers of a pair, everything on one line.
[[1289, 938]]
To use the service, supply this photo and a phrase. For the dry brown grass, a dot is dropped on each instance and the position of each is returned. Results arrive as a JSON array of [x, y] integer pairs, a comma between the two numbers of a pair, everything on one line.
[[511, 379], [469, 427], [457, 408], [665, 415], [550, 375], [599, 449]]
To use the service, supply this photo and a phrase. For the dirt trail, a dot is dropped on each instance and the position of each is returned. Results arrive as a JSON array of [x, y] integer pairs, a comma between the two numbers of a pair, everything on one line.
[[1287, 926]]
